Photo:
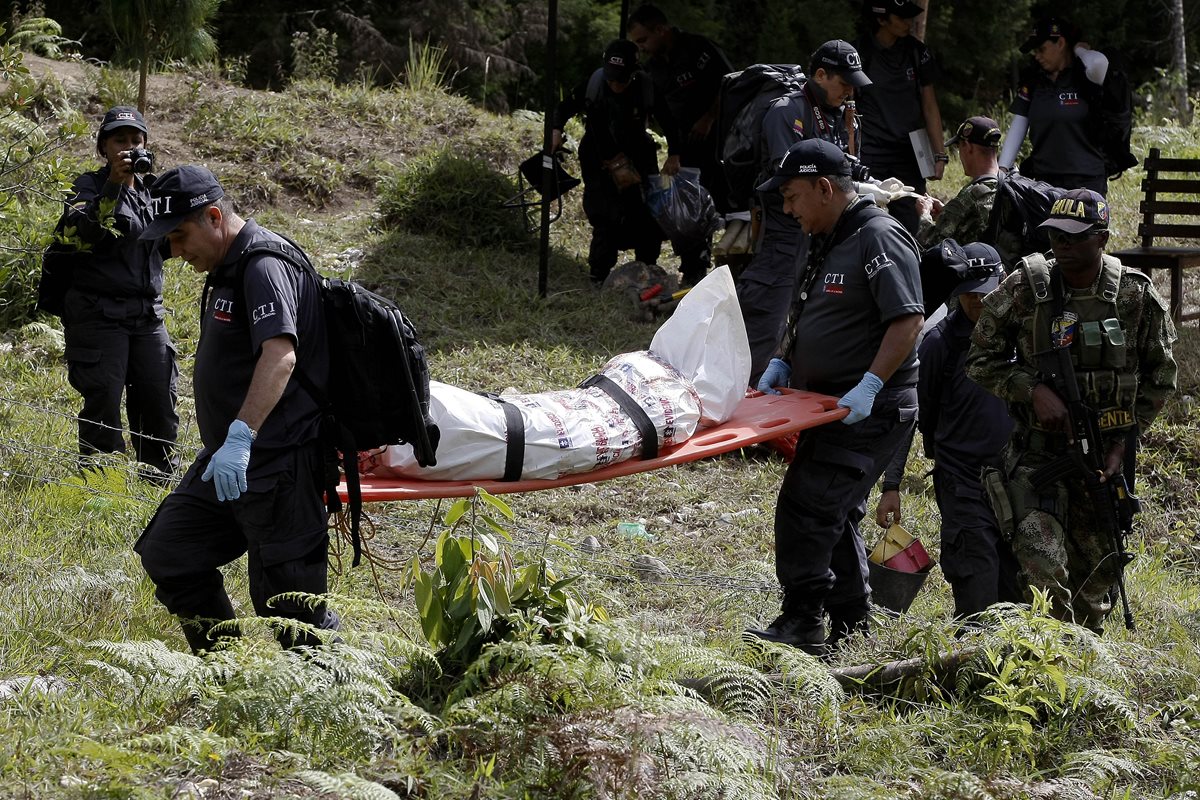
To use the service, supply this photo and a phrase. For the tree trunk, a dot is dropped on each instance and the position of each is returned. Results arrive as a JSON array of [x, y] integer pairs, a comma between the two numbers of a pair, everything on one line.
[[1179, 61], [143, 70]]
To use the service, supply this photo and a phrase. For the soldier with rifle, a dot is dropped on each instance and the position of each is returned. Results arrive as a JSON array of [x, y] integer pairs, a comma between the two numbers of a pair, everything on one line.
[[1080, 348]]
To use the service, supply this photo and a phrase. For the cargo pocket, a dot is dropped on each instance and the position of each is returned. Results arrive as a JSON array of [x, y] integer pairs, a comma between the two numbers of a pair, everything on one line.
[[82, 372]]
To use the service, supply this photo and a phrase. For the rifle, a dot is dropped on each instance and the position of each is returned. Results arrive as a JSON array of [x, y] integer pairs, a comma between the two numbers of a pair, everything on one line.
[[1114, 506]]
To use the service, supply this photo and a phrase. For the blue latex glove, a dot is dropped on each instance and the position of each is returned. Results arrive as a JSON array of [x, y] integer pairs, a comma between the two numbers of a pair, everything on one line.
[[860, 399], [777, 373], [228, 465]]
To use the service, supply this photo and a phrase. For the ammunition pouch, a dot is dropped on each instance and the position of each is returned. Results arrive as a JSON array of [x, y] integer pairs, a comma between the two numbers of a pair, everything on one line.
[[995, 488], [1027, 498]]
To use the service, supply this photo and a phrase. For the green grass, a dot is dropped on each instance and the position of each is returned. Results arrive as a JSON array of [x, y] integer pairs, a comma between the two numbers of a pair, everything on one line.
[[375, 717]]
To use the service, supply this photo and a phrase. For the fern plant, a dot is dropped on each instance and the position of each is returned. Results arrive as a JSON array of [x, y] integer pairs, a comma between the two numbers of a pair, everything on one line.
[[43, 36]]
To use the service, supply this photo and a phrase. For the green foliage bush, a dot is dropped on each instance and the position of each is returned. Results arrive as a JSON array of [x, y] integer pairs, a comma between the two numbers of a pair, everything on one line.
[[34, 174], [315, 55], [455, 197]]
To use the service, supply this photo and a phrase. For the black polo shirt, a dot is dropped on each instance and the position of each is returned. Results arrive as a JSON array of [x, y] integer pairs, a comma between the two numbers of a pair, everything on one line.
[[867, 280], [275, 299], [891, 106], [1060, 120], [690, 77]]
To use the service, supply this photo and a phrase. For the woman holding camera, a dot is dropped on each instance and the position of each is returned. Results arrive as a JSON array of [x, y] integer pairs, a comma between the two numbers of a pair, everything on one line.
[[116, 341]]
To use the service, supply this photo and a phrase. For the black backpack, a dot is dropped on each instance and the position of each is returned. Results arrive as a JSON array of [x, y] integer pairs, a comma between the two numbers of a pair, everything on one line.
[[378, 390], [59, 260], [1021, 205], [1116, 116], [745, 97]]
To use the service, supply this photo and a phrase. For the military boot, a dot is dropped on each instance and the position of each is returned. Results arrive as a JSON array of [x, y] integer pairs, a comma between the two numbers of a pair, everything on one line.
[[846, 619], [198, 624], [802, 625]]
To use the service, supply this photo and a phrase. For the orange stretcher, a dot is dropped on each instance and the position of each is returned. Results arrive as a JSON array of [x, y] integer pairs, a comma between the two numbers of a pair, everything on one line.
[[758, 418]]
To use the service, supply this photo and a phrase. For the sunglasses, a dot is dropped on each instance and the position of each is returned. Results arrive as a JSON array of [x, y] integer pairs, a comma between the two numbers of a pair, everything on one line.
[[1063, 239]]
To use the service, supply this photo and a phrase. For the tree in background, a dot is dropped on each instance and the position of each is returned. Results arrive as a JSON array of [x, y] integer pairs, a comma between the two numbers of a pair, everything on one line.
[[152, 31], [496, 48]]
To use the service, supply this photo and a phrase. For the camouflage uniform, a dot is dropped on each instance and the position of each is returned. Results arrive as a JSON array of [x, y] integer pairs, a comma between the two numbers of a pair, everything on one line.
[[964, 218], [1127, 376]]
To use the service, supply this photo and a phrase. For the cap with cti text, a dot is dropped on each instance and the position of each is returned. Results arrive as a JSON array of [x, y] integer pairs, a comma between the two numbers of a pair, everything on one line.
[[123, 117], [839, 57], [177, 193]]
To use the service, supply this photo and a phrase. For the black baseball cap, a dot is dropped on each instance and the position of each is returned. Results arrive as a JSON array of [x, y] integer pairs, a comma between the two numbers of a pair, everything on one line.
[[977, 130], [905, 9], [177, 193], [811, 157], [840, 57], [620, 60], [1046, 28], [1077, 211], [981, 271], [123, 117]]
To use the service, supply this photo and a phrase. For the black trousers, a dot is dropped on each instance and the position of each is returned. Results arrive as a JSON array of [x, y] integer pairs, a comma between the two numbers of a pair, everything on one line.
[[767, 286], [121, 346], [620, 221], [976, 560], [282, 529], [820, 556]]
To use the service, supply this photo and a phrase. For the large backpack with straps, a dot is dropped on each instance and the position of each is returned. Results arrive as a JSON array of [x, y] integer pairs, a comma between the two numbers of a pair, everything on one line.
[[1116, 115], [745, 97], [378, 391], [1021, 205]]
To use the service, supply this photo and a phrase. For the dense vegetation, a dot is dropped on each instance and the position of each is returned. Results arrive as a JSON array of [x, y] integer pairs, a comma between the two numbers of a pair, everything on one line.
[[529, 649], [495, 49]]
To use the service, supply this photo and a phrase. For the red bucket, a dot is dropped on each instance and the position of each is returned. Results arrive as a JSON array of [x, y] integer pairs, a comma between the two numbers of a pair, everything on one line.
[[913, 558]]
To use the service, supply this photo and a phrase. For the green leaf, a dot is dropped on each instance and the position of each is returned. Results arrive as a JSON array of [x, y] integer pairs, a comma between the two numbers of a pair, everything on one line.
[[497, 527], [496, 503], [489, 542], [485, 607], [558, 586], [452, 559], [503, 603], [468, 636], [456, 511], [461, 606]]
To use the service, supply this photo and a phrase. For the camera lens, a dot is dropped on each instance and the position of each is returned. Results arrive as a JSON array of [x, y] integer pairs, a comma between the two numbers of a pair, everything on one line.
[[143, 160]]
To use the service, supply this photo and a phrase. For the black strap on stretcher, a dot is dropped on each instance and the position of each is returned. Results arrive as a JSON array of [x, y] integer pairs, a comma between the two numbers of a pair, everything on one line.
[[641, 420], [514, 425]]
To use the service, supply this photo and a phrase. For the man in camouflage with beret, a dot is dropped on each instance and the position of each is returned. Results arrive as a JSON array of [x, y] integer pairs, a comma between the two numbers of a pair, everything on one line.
[[964, 218], [1119, 336]]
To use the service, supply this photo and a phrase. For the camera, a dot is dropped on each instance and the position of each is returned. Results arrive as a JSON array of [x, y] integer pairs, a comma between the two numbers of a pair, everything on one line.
[[858, 170], [143, 160]]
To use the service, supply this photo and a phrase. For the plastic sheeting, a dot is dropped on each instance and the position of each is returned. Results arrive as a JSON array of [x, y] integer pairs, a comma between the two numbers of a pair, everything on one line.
[[695, 373]]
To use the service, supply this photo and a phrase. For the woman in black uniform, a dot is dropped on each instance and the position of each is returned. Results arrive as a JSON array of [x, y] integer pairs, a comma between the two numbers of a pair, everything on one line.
[[1058, 103]]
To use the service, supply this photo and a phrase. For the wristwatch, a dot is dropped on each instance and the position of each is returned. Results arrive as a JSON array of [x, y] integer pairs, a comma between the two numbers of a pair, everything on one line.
[[941, 157]]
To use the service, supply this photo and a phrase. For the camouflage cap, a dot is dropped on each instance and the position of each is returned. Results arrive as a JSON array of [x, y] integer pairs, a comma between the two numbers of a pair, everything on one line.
[[977, 130]]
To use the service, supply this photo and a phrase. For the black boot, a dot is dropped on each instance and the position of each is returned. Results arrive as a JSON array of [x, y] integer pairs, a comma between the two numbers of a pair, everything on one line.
[[324, 618], [846, 619], [198, 624], [801, 625]]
